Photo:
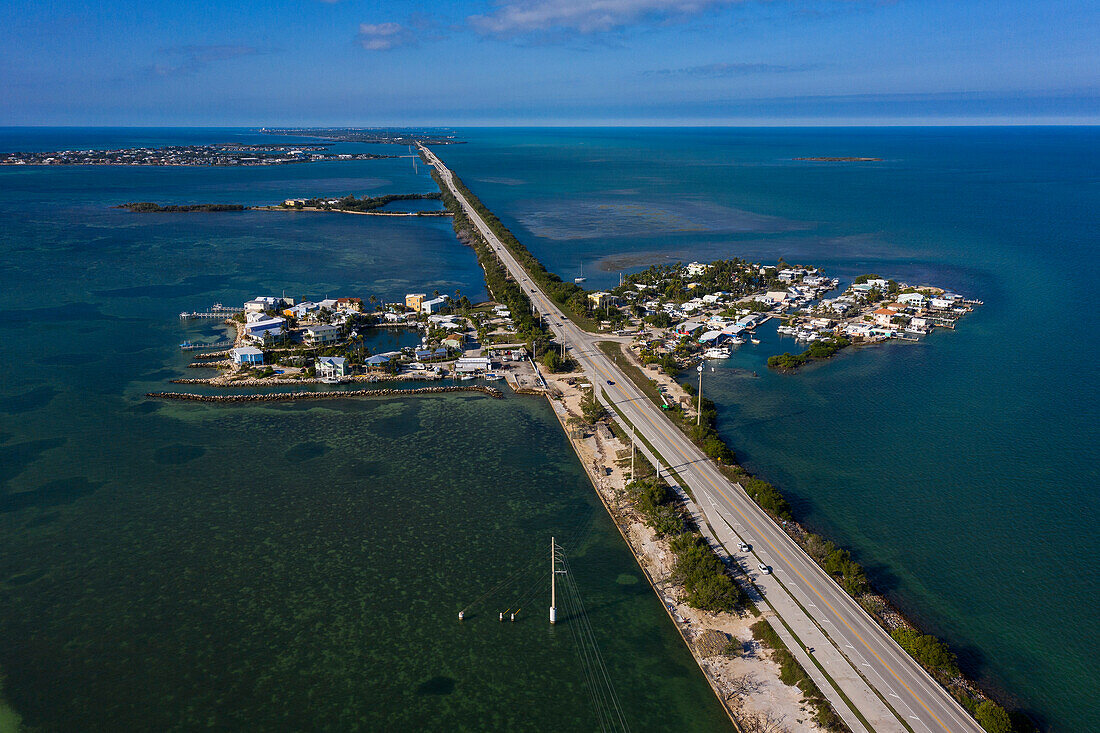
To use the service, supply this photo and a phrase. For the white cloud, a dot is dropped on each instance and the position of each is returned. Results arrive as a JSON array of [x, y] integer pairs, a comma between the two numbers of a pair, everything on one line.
[[383, 36], [514, 17]]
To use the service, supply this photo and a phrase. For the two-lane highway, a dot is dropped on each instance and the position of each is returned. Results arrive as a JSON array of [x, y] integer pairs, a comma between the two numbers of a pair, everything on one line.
[[877, 678]]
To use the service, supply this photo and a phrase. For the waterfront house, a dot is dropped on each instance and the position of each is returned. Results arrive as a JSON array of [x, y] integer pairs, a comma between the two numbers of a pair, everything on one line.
[[469, 364], [602, 299], [321, 334], [776, 296], [377, 362], [422, 354], [247, 356], [257, 328], [911, 299], [265, 303], [434, 305], [454, 341], [414, 300], [941, 303], [331, 366], [349, 305], [883, 316], [301, 311]]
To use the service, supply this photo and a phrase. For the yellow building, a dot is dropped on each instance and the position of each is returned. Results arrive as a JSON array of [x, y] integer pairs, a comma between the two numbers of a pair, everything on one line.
[[415, 300], [601, 299]]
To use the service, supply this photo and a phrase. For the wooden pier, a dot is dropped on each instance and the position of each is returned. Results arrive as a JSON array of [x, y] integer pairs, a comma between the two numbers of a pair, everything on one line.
[[188, 346], [207, 314]]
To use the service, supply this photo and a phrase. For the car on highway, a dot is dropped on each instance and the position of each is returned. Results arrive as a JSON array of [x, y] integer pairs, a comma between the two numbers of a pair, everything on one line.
[[764, 569], [610, 382], [745, 547]]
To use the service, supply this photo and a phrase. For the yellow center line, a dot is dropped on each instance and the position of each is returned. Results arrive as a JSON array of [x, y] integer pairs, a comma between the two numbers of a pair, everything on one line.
[[780, 554], [541, 297]]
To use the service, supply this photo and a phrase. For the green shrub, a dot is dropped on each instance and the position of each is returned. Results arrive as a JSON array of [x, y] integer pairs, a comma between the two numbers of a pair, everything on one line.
[[704, 576], [932, 653], [993, 717]]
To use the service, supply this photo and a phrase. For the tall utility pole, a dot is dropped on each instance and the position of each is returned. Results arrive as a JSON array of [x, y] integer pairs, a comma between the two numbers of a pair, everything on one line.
[[699, 406], [553, 584], [632, 448]]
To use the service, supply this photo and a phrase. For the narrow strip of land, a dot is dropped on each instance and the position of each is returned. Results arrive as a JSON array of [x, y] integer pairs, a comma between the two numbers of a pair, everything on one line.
[[888, 688]]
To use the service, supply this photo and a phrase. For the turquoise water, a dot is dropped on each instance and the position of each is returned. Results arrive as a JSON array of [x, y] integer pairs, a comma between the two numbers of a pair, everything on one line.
[[961, 471], [169, 566]]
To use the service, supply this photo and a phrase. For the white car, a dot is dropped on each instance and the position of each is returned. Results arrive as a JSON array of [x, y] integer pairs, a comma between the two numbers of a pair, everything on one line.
[[745, 547], [764, 569]]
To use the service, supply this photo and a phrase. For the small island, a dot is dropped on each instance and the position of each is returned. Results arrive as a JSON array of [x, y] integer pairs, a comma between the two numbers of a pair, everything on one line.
[[346, 204], [841, 159], [377, 136]]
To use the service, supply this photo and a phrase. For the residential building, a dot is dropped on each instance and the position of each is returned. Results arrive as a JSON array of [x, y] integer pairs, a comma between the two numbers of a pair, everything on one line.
[[468, 364], [270, 326], [321, 334], [602, 299], [415, 300], [247, 356], [349, 305], [434, 305], [883, 316], [265, 303], [331, 366]]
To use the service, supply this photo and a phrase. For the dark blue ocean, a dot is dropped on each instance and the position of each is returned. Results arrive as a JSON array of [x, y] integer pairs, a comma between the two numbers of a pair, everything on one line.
[[151, 561], [962, 471]]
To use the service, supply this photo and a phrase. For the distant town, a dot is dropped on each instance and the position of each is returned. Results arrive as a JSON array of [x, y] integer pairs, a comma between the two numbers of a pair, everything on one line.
[[188, 155], [379, 136]]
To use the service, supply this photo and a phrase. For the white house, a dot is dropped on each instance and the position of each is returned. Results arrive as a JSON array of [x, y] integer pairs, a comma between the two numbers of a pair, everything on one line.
[[941, 303], [911, 299], [264, 303], [883, 316], [331, 366], [247, 356], [776, 296], [468, 364], [434, 305], [322, 334], [271, 326]]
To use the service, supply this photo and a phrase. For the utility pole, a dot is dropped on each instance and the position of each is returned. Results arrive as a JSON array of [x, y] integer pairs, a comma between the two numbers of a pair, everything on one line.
[[699, 406], [632, 448], [553, 584]]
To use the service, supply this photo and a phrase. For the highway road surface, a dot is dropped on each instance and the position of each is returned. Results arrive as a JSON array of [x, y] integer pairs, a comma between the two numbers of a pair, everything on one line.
[[871, 681]]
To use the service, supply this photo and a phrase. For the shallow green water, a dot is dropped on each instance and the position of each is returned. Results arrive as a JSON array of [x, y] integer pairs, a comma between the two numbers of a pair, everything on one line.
[[170, 566]]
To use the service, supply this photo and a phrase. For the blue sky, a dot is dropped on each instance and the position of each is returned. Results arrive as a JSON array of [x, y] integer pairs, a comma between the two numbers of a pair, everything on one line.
[[517, 62]]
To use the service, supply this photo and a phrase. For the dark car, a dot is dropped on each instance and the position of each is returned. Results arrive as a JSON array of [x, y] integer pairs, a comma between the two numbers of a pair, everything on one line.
[[610, 382]]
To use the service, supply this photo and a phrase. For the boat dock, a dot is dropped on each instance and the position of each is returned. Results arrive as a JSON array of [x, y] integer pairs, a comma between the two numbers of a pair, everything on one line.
[[188, 346]]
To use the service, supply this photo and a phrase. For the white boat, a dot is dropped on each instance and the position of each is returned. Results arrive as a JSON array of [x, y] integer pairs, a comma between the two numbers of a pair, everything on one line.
[[737, 340], [579, 280], [491, 377], [467, 377], [329, 380], [755, 342], [716, 352]]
